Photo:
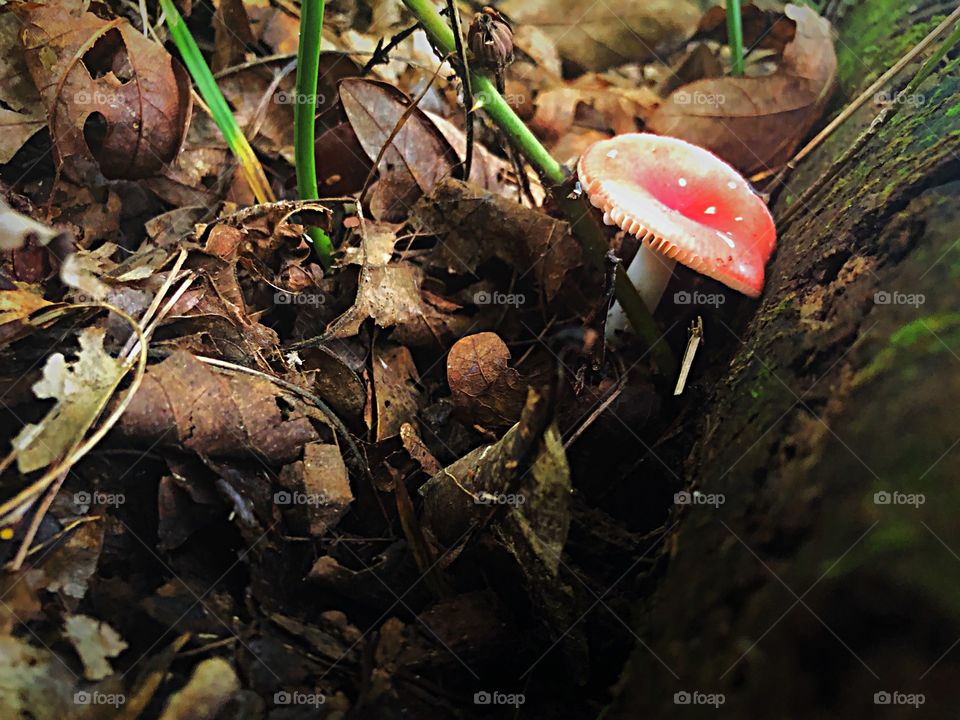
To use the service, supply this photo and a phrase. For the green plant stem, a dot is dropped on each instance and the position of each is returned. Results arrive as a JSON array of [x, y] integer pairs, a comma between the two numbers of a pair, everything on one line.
[[578, 210], [222, 116], [735, 37], [304, 116]]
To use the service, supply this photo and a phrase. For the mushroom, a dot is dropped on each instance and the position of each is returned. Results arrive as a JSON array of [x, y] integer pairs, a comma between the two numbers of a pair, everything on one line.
[[686, 205]]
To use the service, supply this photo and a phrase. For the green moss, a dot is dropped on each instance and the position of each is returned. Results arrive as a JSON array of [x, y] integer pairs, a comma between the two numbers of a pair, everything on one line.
[[924, 336], [869, 50]]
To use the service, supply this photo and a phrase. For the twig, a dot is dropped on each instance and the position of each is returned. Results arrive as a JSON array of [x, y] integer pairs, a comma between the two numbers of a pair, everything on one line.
[[381, 54], [463, 70]]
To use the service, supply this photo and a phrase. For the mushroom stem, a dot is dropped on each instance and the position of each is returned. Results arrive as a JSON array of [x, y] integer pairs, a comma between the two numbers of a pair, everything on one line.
[[649, 272]]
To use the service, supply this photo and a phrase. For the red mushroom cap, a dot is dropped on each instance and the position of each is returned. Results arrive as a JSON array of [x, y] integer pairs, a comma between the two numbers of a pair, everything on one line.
[[685, 202]]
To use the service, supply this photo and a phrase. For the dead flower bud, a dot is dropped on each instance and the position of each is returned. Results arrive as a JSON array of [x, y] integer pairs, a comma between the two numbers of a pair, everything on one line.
[[491, 39]]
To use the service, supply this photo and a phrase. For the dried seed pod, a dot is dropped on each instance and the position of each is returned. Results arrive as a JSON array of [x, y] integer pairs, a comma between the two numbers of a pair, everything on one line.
[[491, 39]]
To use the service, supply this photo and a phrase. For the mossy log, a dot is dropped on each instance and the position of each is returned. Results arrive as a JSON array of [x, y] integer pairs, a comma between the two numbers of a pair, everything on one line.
[[832, 570]]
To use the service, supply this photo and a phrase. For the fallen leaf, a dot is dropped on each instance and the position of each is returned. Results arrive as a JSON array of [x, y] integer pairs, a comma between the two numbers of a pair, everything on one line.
[[34, 683], [756, 123], [111, 94], [317, 488], [419, 150], [474, 225], [212, 684], [596, 36], [95, 641], [484, 388], [182, 401], [21, 111], [18, 305], [595, 103], [81, 388], [395, 388], [390, 293], [418, 449]]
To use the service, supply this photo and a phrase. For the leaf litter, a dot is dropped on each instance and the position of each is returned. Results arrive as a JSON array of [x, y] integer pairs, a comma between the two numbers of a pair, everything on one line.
[[369, 491]]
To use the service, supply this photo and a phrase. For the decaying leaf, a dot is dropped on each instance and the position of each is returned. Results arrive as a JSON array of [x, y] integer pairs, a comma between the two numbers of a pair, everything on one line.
[[592, 102], [419, 151], [474, 225], [395, 388], [184, 402], [111, 93], [18, 305], [95, 641], [34, 683], [756, 123], [418, 449], [321, 481], [484, 388], [81, 388], [212, 684], [596, 36], [390, 293], [21, 111], [520, 487]]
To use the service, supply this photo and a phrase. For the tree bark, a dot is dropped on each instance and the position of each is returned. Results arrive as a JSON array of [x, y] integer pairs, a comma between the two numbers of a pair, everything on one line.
[[805, 592]]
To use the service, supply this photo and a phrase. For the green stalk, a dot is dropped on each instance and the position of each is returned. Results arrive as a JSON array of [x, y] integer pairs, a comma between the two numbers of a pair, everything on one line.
[[735, 37], [304, 112], [210, 92], [578, 211]]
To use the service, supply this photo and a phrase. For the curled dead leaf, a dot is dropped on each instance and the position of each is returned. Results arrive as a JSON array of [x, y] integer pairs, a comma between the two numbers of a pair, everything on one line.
[[112, 94], [756, 123], [184, 402], [484, 388]]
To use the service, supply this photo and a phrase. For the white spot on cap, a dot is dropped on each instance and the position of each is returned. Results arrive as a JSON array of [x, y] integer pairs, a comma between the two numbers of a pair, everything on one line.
[[612, 154], [738, 218], [732, 185], [682, 182], [712, 210], [727, 240]]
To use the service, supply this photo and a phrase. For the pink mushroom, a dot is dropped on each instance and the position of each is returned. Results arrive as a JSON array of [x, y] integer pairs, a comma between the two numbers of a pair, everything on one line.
[[686, 205]]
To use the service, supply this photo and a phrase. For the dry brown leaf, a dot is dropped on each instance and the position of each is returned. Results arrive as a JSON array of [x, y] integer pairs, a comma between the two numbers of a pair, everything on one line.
[[111, 94], [395, 380], [184, 402], [317, 489], [418, 450], [232, 35], [390, 293], [21, 111], [419, 150], [756, 123], [595, 103], [474, 225], [596, 36], [484, 388]]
